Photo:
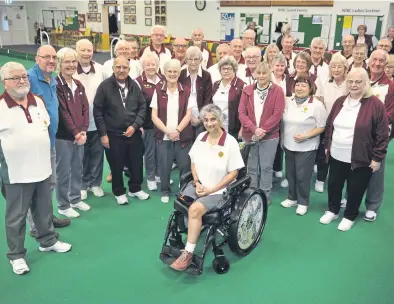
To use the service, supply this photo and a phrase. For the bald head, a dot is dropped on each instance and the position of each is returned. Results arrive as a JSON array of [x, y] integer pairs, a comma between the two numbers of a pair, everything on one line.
[[181, 41], [222, 50], [377, 62], [179, 47], [122, 60], [84, 50], [45, 49]]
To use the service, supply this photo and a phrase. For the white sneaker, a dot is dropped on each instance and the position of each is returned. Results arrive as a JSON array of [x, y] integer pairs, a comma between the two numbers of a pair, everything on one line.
[[81, 206], [301, 209], [152, 185], [70, 213], [159, 181], [328, 217], [345, 225], [57, 247], [19, 266], [97, 191], [315, 168], [370, 216], [343, 203], [278, 174], [122, 199], [288, 203], [84, 194], [319, 186], [165, 199], [140, 195], [284, 183]]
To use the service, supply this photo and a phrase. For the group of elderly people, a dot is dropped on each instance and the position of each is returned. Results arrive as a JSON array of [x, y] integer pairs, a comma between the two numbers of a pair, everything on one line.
[[329, 117]]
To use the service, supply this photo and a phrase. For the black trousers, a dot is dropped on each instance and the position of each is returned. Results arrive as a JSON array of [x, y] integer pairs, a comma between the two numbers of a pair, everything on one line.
[[322, 165], [125, 152], [278, 161], [357, 183]]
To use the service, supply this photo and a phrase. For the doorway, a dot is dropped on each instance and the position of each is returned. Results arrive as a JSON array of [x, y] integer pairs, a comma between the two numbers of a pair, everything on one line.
[[13, 25], [114, 24]]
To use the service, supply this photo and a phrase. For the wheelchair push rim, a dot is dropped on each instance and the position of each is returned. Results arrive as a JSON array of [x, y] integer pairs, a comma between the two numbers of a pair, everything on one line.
[[248, 221]]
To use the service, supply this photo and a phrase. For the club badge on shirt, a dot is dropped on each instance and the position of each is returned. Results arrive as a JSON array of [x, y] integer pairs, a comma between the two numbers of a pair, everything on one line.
[[221, 154]]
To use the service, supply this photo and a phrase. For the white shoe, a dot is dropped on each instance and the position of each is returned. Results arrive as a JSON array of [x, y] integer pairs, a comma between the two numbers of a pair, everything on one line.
[[370, 216], [57, 247], [328, 217], [278, 174], [288, 203], [140, 195], [122, 199], [84, 194], [19, 266], [159, 181], [165, 199], [301, 209], [284, 183], [70, 213], [97, 191], [319, 186], [152, 185], [81, 206], [343, 203], [315, 168], [345, 225]]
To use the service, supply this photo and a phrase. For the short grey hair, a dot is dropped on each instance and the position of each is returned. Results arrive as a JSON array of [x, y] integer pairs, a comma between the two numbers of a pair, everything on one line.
[[157, 27], [319, 41], [279, 58], [386, 55], [249, 31], [172, 63], [62, 53], [228, 60], [119, 44], [365, 78], [148, 55], [81, 41], [214, 109], [193, 51], [10, 66]]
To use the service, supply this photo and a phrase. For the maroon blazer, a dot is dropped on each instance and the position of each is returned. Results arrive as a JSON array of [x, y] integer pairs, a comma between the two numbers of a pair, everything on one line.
[[73, 109], [290, 82], [203, 86], [186, 135], [371, 132], [273, 109], [147, 90], [234, 97]]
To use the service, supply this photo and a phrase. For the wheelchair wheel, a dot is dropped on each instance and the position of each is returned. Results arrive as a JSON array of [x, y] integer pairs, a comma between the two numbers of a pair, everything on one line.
[[247, 221]]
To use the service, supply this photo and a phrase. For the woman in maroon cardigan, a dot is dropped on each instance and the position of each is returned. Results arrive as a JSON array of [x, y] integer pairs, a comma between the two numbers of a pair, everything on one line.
[[260, 112], [226, 94], [357, 135]]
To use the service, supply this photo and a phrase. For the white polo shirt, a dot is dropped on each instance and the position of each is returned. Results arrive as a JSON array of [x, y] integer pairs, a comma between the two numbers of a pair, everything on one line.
[[221, 100], [321, 70], [290, 62], [330, 91], [213, 163], [135, 68], [205, 58], [172, 109], [301, 119], [215, 73], [24, 141]]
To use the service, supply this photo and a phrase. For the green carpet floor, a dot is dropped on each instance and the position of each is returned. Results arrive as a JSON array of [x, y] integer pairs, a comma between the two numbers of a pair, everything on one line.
[[115, 259]]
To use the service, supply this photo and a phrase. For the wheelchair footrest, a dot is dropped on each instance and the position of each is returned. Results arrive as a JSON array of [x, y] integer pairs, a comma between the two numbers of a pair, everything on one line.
[[169, 254]]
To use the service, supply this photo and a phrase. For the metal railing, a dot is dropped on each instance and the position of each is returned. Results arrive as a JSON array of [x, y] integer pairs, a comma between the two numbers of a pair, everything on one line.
[[112, 44], [46, 34]]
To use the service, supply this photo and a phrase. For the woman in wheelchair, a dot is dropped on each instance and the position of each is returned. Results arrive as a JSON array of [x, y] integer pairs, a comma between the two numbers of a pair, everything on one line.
[[215, 161]]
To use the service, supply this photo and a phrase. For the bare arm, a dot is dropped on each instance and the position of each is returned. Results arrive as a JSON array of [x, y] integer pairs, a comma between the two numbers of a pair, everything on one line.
[[185, 121], [158, 123]]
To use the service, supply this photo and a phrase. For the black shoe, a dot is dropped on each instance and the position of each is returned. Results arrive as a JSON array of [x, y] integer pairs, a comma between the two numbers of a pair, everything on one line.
[[60, 223], [33, 234]]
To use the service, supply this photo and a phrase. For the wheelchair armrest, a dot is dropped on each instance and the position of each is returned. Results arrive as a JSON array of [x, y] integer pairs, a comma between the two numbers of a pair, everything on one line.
[[231, 189], [185, 178]]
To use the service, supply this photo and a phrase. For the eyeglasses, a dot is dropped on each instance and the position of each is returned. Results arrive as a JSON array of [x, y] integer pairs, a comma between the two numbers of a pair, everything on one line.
[[180, 45], [193, 59], [226, 69], [357, 82], [18, 78], [48, 57]]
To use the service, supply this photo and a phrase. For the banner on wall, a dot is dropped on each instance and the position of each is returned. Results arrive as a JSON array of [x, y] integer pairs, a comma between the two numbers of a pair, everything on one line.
[[227, 26], [262, 28]]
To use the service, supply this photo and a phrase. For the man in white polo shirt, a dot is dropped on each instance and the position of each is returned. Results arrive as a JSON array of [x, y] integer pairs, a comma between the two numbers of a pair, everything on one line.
[[25, 166], [221, 51]]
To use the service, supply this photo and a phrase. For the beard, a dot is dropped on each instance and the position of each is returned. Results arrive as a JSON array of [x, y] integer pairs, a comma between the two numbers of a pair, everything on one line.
[[20, 93]]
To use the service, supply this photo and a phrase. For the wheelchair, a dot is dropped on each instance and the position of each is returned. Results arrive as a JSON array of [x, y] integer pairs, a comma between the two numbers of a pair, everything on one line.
[[239, 222]]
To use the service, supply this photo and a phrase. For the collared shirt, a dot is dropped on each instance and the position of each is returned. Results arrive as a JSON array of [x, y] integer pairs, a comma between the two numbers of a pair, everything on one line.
[[213, 163], [330, 91], [301, 119], [135, 68], [164, 54], [290, 62], [193, 89], [321, 70], [221, 100], [24, 141], [47, 91]]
